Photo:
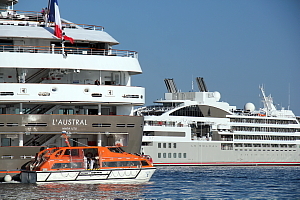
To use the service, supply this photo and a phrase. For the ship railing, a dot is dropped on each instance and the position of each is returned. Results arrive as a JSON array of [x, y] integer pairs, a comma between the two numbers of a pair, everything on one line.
[[67, 50], [156, 108], [39, 19], [164, 124]]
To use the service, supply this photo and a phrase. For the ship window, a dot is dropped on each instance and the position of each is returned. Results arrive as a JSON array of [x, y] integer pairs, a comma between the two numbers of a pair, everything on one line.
[[170, 145], [12, 124], [6, 45], [159, 155], [120, 125], [164, 145], [101, 125], [164, 155], [147, 143], [192, 111], [174, 145], [184, 155], [179, 155], [159, 145], [174, 155]]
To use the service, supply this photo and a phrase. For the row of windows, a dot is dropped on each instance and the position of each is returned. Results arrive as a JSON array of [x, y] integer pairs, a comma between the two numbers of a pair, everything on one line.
[[265, 129], [191, 111], [161, 123], [265, 145], [171, 155], [266, 137], [262, 121], [164, 145], [264, 150], [229, 146], [68, 122]]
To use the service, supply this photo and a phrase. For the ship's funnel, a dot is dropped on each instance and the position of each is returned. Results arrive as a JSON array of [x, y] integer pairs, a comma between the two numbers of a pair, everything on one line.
[[170, 84], [201, 84]]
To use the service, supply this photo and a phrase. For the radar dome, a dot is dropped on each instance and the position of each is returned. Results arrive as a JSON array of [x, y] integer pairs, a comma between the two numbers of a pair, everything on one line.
[[249, 107], [217, 96]]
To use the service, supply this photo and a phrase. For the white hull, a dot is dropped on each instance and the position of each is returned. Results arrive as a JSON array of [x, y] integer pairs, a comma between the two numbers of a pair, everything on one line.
[[210, 153], [89, 176]]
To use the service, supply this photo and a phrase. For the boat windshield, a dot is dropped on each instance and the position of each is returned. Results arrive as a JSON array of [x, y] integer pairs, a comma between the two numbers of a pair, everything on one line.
[[116, 149]]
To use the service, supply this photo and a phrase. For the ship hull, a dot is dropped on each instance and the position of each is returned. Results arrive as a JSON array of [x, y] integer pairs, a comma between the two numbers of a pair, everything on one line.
[[48, 128], [211, 153]]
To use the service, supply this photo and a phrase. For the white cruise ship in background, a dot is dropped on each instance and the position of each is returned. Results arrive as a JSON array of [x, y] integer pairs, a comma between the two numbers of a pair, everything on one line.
[[47, 88], [195, 128]]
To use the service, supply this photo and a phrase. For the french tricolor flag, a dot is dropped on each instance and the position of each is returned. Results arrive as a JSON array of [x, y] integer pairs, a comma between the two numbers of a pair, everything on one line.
[[54, 16]]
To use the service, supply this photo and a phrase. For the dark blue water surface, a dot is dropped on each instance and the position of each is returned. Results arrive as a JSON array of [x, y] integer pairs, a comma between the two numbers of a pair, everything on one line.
[[176, 183]]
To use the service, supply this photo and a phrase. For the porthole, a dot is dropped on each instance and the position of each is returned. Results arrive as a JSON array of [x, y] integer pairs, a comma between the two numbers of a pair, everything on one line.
[[54, 89]]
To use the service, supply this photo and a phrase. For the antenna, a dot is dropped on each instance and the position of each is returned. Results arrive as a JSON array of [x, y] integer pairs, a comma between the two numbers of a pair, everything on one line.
[[289, 100], [192, 83]]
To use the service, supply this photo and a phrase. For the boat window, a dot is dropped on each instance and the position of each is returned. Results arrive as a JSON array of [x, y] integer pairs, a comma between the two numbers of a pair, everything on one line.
[[159, 145], [67, 165], [116, 150], [169, 155], [122, 164], [184, 155], [174, 155], [61, 165], [170, 145], [144, 163], [174, 145], [164, 155], [159, 155], [72, 152], [164, 145], [59, 153], [179, 155]]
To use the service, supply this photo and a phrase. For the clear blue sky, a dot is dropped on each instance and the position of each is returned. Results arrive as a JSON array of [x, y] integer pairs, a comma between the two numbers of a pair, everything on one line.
[[236, 45]]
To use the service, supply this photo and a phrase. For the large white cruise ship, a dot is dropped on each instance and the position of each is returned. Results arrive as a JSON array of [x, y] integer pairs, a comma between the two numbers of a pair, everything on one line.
[[195, 128], [49, 86]]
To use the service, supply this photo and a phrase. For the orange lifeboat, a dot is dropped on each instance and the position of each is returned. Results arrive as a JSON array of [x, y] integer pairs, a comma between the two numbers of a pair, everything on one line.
[[92, 164]]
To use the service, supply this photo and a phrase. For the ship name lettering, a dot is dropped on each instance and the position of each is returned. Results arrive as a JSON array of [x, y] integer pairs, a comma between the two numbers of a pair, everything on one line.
[[65, 122]]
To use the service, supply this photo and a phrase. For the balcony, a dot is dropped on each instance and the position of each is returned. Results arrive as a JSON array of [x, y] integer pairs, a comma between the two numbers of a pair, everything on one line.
[[67, 50]]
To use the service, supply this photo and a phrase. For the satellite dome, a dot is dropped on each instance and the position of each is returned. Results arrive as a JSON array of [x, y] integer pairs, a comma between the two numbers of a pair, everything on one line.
[[249, 107], [217, 96]]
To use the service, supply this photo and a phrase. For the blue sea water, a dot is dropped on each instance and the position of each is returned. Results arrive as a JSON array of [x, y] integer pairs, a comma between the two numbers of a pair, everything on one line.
[[176, 183]]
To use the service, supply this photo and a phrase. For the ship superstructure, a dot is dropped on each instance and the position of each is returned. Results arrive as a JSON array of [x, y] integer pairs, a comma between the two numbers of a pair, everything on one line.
[[49, 86], [196, 128]]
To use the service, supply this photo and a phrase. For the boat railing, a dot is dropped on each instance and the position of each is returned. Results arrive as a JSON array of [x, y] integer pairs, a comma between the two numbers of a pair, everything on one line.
[[37, 19], [67, 50]]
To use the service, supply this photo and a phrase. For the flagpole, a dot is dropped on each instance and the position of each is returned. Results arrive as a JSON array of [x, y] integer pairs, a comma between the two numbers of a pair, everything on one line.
[[48, 12], [63, 43]]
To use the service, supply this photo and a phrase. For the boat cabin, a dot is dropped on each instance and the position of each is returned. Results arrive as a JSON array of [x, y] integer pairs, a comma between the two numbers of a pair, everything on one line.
[[86, 158]]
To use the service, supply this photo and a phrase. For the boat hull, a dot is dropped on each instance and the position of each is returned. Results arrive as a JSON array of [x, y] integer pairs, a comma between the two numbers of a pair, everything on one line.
[[119, 175]]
